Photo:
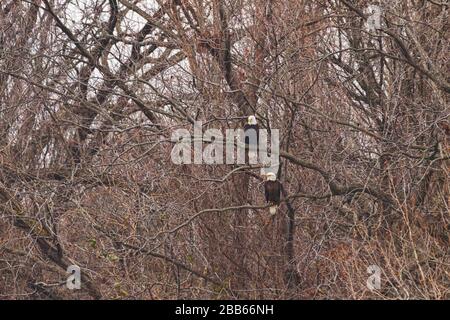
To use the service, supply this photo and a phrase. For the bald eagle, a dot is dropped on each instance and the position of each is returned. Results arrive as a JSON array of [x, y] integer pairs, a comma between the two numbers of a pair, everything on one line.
[[251, 132], [272, 189]]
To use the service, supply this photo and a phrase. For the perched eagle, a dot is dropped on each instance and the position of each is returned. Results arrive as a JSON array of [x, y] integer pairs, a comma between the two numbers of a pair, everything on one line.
[[251, 132], [272, 189]]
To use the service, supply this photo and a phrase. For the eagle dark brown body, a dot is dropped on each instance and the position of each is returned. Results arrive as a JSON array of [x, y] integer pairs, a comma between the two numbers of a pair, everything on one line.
[[272, 190], [251, 132]]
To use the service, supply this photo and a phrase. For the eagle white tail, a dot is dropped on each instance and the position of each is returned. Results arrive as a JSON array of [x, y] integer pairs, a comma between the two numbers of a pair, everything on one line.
[[273, 209]]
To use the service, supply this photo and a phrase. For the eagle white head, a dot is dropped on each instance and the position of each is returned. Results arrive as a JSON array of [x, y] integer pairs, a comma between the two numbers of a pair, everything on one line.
[[252, 120], [271, 176]]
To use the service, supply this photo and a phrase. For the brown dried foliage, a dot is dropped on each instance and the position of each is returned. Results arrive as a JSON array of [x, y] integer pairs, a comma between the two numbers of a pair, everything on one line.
[[89, 98]]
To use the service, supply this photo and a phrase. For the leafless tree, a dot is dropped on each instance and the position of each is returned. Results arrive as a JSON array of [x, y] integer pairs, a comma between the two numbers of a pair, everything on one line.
[[91, 92]]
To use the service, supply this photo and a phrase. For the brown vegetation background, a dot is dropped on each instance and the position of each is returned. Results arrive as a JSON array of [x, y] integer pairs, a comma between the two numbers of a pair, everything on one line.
[[91, 91]]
